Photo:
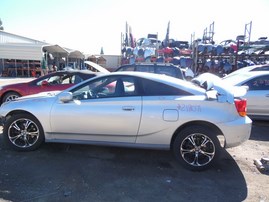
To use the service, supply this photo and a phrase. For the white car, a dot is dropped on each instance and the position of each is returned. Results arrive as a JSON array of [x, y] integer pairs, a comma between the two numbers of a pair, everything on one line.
[[264, 67], [255, 81], [132, 109], [258, 91]]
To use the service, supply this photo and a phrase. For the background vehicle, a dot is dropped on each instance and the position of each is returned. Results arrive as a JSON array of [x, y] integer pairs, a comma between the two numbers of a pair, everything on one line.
[[157, 68], [59, 80], [256, 83], [250, 69], [131, 109], [258, 91]]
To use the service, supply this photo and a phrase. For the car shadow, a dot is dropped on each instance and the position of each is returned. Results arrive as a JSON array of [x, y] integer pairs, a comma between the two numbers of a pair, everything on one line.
[[64, 172], [260, 131]]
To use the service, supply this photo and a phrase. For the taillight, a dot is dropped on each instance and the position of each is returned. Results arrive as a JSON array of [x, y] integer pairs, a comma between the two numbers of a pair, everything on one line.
[[241, 106]]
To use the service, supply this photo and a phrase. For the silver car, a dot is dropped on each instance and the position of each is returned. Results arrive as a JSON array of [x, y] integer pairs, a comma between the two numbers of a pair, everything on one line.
[[132, 109], [264, 67], [258, 91]]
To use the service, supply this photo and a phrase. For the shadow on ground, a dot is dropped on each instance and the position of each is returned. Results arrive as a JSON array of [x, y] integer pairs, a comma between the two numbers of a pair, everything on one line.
[[260, 131], [63, 172]]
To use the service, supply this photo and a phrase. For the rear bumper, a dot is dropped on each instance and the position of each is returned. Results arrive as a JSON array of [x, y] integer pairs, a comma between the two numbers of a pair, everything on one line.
[[237, 131]]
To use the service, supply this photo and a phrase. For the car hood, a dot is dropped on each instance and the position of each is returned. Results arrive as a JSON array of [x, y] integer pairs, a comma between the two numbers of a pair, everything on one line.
[[97, 67], [217, 88], [15, 85], [35, 102], [39, 95]]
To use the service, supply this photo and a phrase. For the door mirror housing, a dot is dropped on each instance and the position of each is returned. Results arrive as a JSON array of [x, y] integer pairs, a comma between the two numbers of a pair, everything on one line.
[[65, 97]]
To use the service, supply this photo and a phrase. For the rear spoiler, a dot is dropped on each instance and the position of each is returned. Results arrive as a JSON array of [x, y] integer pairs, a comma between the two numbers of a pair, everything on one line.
[[216, 88]]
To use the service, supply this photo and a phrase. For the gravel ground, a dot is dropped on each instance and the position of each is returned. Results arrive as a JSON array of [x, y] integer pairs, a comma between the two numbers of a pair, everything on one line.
[[63, 172]]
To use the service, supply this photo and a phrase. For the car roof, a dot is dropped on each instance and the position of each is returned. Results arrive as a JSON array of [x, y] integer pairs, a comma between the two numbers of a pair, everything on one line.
[[244, 76], [264, 67], [148, 64], [172, 81], [84, 71]]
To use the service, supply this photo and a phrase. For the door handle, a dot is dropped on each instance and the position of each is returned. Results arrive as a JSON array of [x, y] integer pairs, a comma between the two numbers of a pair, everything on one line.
[[128, 108]]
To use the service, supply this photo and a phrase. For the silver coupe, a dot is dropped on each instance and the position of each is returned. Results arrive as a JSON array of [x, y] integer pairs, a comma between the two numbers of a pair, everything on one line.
[[132, 109]]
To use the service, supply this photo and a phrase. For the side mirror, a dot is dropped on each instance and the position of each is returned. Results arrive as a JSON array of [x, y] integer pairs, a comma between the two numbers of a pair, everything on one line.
[[65, 97], [44, 83]]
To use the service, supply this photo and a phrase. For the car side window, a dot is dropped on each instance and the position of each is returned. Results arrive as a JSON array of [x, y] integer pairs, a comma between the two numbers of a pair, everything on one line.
[[74, 79], [259, 83], [145, 69], [126, 68], [167, 71], [66, 79], [153, 88], [53, 80], [107, 87]]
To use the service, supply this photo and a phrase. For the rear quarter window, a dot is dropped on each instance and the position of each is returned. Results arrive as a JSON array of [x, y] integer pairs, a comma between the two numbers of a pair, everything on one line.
[[152, 88]]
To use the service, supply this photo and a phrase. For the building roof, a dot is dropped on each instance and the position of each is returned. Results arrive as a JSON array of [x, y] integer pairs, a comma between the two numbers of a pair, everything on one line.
[[19, 47]]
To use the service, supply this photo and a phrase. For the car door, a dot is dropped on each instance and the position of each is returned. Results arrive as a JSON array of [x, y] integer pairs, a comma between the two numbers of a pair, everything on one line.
[[99, 112], [258, 96]]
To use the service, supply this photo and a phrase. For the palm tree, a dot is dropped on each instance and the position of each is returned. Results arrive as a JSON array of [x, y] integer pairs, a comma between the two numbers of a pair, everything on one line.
[[1, 27]]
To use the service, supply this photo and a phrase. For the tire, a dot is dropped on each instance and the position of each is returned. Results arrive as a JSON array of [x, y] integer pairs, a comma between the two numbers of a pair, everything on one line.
[[197, 148], [23, 132], [10, 96]]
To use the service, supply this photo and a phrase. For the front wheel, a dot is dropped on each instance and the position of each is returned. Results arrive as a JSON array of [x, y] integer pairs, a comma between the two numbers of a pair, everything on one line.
[[23, 132], [10, 96], [196, 148]]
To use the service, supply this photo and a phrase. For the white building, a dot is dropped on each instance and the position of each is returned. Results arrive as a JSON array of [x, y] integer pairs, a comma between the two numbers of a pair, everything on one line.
[[21, 56]]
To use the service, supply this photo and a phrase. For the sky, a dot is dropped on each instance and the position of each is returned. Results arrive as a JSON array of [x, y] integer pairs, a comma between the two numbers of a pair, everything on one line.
[[89, 25]]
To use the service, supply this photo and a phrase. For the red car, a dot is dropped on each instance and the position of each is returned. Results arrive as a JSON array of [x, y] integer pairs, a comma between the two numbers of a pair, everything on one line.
[[59, 80]]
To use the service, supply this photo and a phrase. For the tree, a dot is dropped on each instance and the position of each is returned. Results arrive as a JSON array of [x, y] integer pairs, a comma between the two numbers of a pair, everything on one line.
[[1, 27]]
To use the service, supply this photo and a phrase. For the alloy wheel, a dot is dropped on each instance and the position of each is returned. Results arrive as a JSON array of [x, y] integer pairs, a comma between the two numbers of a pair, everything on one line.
[[197, 149], [23, 133]]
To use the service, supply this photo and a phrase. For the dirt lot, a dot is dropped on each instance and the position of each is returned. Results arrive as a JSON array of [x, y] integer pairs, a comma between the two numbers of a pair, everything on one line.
[[63, 172]]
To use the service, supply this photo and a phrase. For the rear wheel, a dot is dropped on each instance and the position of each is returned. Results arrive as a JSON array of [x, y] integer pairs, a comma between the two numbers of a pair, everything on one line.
[[23, 132], [10, 96], [197, 147]]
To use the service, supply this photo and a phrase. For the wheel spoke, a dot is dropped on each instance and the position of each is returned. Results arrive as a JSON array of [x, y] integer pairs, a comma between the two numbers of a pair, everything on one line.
[[32, 133], [27, 123], [27, 143], [187, 151], [191, 139], [196, 160], [14, 138], [16, 127], [210, 155], [205, 141]]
